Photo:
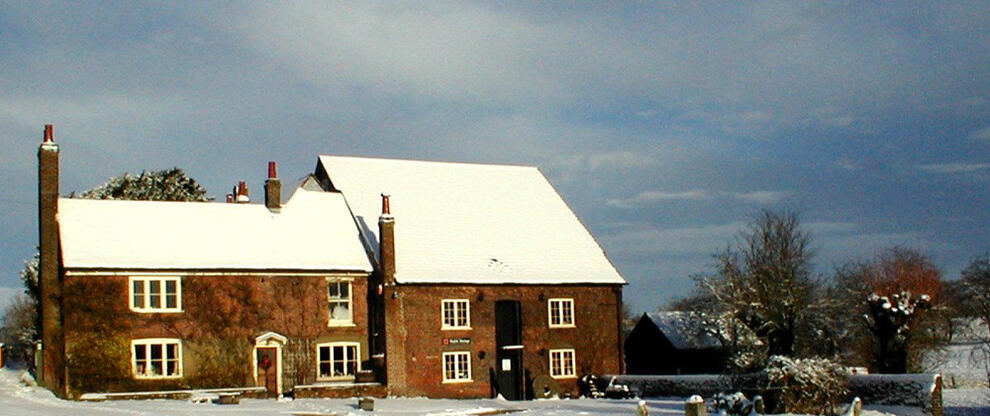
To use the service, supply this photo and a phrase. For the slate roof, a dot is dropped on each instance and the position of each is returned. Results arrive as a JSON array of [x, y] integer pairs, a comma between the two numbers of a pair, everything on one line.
[[684, 330], [314, 231], [470, 223]]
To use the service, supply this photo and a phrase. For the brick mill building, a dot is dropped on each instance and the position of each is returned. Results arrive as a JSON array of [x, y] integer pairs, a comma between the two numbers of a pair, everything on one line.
[[375, 277]]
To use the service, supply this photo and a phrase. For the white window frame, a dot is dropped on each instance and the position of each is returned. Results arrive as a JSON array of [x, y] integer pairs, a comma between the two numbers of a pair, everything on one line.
[[558, 321], [350, 302], [330, 359], [457, 358], [455, 306], [146, 294], [563, 358], [147, 344]]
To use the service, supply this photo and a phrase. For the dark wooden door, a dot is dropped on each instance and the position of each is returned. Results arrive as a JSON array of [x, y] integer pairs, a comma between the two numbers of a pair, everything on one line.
[[509, 348], [267, 359]]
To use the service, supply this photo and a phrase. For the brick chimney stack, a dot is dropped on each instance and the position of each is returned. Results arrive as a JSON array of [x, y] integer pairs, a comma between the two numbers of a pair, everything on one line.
[[386, 242], [273, 189], [52, 373], [394, 324], [241, 193]]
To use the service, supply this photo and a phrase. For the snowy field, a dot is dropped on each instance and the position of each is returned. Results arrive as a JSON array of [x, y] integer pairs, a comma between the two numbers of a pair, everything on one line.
[[17, 399]]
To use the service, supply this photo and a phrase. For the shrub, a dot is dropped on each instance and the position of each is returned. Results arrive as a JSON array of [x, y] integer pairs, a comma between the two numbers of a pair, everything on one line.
[[99, 363], [810, 385]]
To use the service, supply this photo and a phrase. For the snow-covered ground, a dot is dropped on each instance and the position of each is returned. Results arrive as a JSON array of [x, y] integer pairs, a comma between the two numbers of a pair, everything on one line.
[[18, 399]]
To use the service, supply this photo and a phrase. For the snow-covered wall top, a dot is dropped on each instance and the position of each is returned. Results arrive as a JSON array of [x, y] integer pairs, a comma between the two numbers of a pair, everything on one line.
[[314, 231], [471, 223]]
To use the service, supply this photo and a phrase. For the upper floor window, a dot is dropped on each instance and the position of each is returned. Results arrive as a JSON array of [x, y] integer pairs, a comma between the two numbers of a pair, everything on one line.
[[456, 314], [155, 294], [340, 302], [562, 364], [338, 360], [156, 358], [456, 367], [561, 312]]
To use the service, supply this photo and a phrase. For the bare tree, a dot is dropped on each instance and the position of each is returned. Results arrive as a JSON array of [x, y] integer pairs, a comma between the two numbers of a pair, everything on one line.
[[976, 294], [18, 331], [764, 279]]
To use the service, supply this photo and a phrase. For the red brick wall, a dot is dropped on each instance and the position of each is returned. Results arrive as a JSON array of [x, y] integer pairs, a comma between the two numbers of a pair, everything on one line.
[[233, 309], [595, 338]]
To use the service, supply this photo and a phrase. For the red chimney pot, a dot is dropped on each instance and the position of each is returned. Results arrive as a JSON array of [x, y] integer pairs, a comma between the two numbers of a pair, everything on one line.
[[271, 171], [385, 208], [48, 133]]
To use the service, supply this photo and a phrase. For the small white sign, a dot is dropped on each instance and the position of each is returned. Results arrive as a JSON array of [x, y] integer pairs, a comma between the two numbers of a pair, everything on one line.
[[506, 364]]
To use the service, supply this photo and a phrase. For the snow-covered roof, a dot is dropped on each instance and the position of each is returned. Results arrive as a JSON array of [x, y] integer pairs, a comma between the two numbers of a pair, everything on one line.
[[470, 223], [314, 231], [684, 330]]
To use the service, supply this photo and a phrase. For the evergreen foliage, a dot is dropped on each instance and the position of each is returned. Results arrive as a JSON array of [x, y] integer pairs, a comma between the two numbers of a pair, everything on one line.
[[161, 185]]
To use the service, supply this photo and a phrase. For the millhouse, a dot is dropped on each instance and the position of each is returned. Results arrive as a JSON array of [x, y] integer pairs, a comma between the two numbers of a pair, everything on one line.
[[375, 277]]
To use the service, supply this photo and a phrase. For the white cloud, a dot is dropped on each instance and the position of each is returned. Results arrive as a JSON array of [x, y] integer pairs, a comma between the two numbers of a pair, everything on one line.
[[955, 167], [848, 164], [649, 241], [974, 101], [647, 197], [981, 134]]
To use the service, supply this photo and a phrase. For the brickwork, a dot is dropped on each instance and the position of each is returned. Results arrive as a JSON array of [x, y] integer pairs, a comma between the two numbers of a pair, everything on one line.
[[219, 313], [52, 373], [595, 337]]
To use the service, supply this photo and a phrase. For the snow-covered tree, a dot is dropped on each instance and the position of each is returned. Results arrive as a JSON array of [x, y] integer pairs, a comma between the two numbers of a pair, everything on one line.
[[891, 320], [29, 277], [890, 309], [764, 279], [161, 185], [19, 330]]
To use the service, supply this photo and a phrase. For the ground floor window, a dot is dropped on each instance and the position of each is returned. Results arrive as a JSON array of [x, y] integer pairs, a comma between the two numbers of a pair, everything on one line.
[[338, 360], [562, 363], [156, 358], [456, 367]]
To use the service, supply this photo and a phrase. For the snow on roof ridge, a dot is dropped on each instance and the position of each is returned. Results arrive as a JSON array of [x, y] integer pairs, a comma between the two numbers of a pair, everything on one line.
[[434, 162]]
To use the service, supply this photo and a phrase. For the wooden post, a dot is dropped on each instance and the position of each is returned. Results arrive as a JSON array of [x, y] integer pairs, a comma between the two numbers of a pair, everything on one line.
[[695, 406], [641, 409]]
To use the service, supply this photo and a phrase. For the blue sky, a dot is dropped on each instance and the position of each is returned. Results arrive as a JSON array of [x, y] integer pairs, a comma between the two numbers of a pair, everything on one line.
[[666, 127]]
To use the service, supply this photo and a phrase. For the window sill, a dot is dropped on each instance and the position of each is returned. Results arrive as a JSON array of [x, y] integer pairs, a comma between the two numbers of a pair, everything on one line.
[[335, 379], [157, 310], [341, 324], [140, 377], [563, 377], [458, 381], [563, 326], [455, 328]]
